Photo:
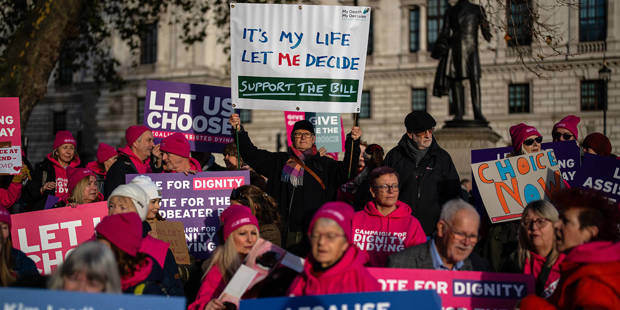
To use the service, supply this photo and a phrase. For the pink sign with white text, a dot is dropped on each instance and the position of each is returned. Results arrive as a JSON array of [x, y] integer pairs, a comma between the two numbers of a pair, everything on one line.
[[460, 289], [10, 136], [47, 236]]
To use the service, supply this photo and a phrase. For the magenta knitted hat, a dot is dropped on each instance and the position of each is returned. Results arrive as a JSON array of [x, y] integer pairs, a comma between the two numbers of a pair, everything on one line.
[[520, 132], [236, 216], [123, 230], [75, 175], [63, 137], [5, 216], [105, 152], [176, 144], [133, 133], [569, 123], [338, 211]]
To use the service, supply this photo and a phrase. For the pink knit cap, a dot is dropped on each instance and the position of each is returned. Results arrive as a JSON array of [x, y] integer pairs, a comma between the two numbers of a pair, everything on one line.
[[520, 132], [569, 123], [338, 211], [105, 152], [5, 216], [133, 133], [176, 144], [123, 230], [236, 216], [76, 175], [63, 137]]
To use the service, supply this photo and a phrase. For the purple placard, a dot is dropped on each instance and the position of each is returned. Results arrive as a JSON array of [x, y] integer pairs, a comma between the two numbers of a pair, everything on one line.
[[201, 112], [568, 157], [600, 173], [197, 200], [51, 201], [478, 156]]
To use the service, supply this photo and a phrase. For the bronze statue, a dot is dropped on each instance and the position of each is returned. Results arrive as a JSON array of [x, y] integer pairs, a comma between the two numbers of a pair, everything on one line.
[[457, 51]]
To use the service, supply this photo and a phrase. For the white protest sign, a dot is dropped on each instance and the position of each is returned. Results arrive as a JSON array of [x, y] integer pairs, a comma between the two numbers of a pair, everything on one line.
[[298, 57]]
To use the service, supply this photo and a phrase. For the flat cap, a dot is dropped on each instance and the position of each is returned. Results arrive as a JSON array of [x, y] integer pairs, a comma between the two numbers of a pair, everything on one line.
[[417, 121]]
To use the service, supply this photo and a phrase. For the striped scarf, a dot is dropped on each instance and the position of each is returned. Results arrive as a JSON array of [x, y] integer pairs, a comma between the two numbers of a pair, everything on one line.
[[292, 172]]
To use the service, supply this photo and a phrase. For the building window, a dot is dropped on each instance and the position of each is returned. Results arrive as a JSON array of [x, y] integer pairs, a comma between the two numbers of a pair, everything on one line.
[[418, 99], [148, 45], [365, 105], [519, 98], [414, 29], [245, 116], [140, 110], [592, 95], [371, 35], [436, 10], [65, 71], [60, 121], [592, 20], [519, 22]]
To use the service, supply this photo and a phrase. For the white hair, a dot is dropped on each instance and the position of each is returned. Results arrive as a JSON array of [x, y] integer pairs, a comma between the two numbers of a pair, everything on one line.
[[450, 208]]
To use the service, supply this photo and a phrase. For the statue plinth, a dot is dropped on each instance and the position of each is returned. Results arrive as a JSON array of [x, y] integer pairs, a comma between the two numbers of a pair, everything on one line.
[[466, 123]]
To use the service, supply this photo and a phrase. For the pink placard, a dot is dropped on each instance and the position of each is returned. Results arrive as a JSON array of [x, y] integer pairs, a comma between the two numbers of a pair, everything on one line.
[[460, 289], [47, 236]]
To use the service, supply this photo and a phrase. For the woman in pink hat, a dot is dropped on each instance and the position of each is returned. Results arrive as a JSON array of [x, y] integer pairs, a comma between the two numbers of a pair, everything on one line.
[[240, 233], [50, 176], [566, 129], [15, 266], [525, 139], [82, 188], [335, 265], [106, 157]]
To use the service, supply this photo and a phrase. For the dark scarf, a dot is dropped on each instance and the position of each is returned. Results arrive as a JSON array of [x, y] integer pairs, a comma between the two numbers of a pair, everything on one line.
[[293, 172], [412, 148]]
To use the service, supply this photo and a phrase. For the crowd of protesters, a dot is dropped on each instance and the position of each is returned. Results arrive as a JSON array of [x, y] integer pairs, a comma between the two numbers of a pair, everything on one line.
[[334, 213]]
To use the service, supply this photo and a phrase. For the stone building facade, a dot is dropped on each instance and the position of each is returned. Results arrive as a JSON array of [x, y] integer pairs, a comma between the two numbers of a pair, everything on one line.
[[399, 78]]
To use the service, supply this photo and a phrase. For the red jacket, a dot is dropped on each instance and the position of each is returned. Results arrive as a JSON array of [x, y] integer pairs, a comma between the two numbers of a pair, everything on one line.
[[9, 196], [141, 166], [538, 262], [347, 276], [382, 235], [589, 279], [212, 286], [97, 168]]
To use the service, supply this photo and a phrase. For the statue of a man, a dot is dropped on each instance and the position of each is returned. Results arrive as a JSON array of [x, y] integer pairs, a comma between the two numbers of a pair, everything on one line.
[[457, 50]]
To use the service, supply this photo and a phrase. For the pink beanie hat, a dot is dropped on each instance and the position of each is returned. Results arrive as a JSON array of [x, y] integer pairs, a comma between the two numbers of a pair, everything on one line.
[[520, 132], [5, 216], [236, 216], [569, 123], [105, 152], [75, 175], [123, 230], [133, 133], [63, 137], [176, 144], [338, 211]]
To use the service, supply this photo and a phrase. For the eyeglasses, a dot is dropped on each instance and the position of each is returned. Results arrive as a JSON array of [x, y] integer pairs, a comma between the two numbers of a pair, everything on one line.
[[423, 132], [566, 136], [385, 187], [302, 134], [330, 237], [529, 142], [459, 235], [538, 223]]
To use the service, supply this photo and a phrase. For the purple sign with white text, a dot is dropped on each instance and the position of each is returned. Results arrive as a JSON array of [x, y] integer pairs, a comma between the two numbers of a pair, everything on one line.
[[601, 173], [197, 200], [201, 112]]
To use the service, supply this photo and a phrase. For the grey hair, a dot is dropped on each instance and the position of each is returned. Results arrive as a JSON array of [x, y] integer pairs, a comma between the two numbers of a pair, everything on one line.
[[450, 208], [546, 210], [96, 260]]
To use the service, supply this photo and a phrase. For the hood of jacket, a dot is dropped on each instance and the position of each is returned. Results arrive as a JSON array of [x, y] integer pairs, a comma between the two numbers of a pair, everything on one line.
[[351, 259], [141, 273], [595, 252], [141, 166], [95, 167], [402, 210]]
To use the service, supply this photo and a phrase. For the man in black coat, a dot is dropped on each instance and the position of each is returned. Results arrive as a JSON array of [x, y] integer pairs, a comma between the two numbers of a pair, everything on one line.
[[300, 180], [428, 177]]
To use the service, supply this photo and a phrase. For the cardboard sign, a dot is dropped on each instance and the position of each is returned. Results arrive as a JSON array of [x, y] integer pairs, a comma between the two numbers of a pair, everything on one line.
[[197, 200], [601, 174], [48, 236], [359, 301], [201, 112], [508, 185], [22, 299], [460, 289], [298, 57], [11, 136], [328, 129], [174, 234]]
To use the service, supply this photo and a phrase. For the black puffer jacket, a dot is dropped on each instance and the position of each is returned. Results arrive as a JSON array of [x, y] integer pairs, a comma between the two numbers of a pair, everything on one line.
[[429, 185], [297, 205]]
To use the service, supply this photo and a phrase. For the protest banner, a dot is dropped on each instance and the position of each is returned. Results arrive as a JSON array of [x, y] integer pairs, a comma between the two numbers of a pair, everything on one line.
[[48, 236], [461, 289], [23, 298], [298, 57], [601, 173], [200, 112], [10, 137], [328, 128], [173, 233], [427, 300], [197, 200], [508, 185]]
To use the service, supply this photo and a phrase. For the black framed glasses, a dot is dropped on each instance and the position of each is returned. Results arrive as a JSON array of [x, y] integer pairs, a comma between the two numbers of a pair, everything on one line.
[[386, 187], [566, 136], [538, 223], [529, 142]]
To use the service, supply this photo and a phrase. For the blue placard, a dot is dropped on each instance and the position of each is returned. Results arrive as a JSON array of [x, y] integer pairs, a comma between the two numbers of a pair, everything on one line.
[[601, 173], [20, 298], [374, 301]]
